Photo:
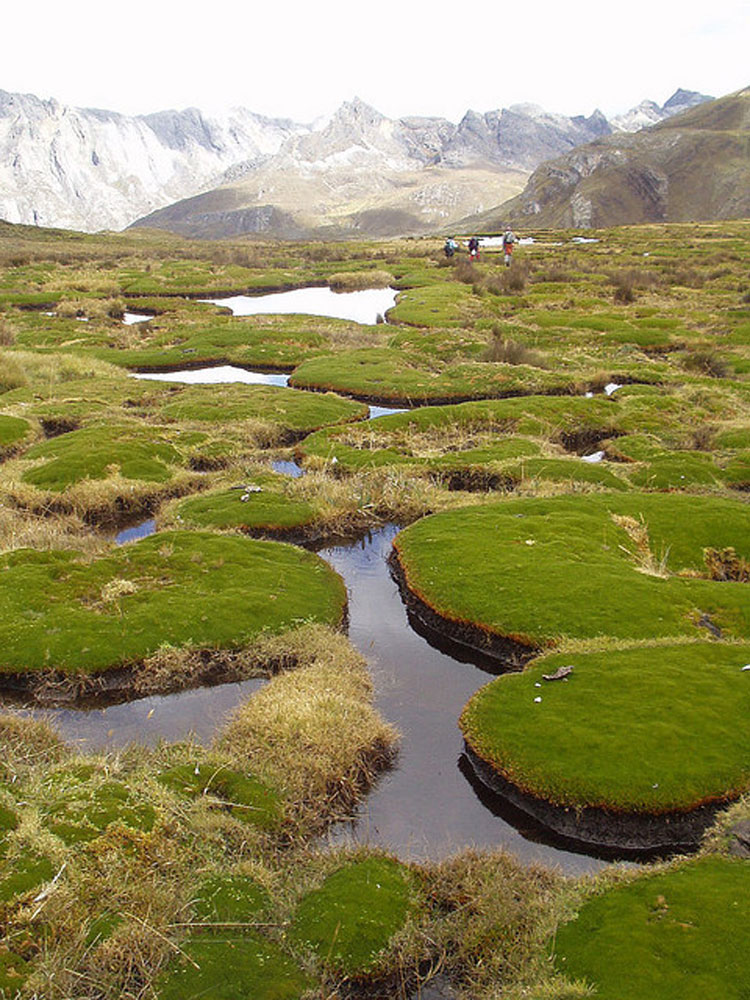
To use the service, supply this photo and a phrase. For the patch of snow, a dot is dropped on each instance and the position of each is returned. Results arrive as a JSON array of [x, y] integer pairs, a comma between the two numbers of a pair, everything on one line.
[[595, 456], [611, 387]]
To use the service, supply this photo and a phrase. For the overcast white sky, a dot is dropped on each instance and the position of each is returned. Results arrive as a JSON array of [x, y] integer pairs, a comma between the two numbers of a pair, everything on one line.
[[402, 56]]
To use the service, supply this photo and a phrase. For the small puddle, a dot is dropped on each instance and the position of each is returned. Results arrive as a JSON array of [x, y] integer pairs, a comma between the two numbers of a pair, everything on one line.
[[137, 531], [216, 375], [360, 307], [288, 467]]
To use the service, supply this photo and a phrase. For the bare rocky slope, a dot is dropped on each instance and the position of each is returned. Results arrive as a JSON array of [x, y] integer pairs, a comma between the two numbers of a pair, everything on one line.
[[238, 172], [693, 166]]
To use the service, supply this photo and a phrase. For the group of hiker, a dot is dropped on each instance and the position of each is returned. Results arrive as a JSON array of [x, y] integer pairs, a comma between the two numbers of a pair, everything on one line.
[[451, 247]]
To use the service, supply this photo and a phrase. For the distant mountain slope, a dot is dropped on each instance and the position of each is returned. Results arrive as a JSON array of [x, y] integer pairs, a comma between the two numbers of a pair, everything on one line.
[[86, 169], [695, 165], [356, 173]]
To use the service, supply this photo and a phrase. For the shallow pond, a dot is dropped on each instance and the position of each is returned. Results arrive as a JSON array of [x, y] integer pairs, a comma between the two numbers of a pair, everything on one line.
[[220, 374], [215, 375], [430, 804], [361, 307]]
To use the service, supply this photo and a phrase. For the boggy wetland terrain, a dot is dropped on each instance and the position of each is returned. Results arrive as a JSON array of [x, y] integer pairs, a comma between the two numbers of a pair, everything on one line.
[[565, 483]]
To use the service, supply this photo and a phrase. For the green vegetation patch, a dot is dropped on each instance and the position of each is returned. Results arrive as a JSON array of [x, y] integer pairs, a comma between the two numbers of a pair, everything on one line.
[[85, 814], [676, 935], [297, 411], [99, 452], [390, 374], [22, 873], [214, 968], [649, 729], [626, 567], [677, 470], [12, 431], [260, 506], [572, 471], [351, 918], [246, 797], [229, 899], [14, 971], [61, 612]]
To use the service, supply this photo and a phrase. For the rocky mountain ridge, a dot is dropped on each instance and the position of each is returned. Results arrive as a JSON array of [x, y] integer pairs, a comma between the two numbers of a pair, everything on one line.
[[359, 171], [691, 166]]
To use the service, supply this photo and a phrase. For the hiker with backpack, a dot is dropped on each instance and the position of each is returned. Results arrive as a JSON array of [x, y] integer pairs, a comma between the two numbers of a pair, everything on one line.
[[473, 249], [450, 246], [509, 239]]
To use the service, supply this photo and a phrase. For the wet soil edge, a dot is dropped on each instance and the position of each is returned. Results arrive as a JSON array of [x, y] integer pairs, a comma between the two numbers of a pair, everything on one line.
[[598, 827], [587, 825], [509, 653], [187, 669]]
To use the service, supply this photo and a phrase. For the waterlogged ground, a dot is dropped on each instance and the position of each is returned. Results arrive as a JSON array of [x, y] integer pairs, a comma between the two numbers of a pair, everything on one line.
[[602, 379]]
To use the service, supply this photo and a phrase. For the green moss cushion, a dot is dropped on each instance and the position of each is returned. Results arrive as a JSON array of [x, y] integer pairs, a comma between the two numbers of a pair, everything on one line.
[[245, 796], [14, 971], [97, 452], [22, 873], [12, 430], [644, 729], [537, 570], [86, 813], [59, 611], [268, 509], [678, 935], [275, 404], [229, 899], [354, 914], [230, 968]]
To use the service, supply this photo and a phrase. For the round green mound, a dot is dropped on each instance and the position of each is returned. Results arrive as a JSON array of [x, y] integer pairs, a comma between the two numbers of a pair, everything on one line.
[[389, 374], [98, 452], [260, 506], [651, 728], [677, 935], [535, 571], [218, 968], [354, 914], [12, 431], [296, 411], [61, 612]]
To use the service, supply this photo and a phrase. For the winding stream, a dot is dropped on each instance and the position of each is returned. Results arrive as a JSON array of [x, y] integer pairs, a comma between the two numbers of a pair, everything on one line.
[[430, 804]]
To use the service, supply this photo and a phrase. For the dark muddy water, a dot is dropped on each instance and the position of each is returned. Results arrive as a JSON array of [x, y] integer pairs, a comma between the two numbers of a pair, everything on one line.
[[430, 804]]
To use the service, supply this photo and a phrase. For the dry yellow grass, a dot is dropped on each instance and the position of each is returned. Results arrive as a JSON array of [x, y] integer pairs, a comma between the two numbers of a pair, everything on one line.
[[314, 731]]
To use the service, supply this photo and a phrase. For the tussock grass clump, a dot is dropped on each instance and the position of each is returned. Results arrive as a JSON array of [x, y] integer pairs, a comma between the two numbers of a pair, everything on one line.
[[352, 281], [314, 732], [725, 564], [707, 363], [12, 373], [510, 352], [7, 332], [511, 281]]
